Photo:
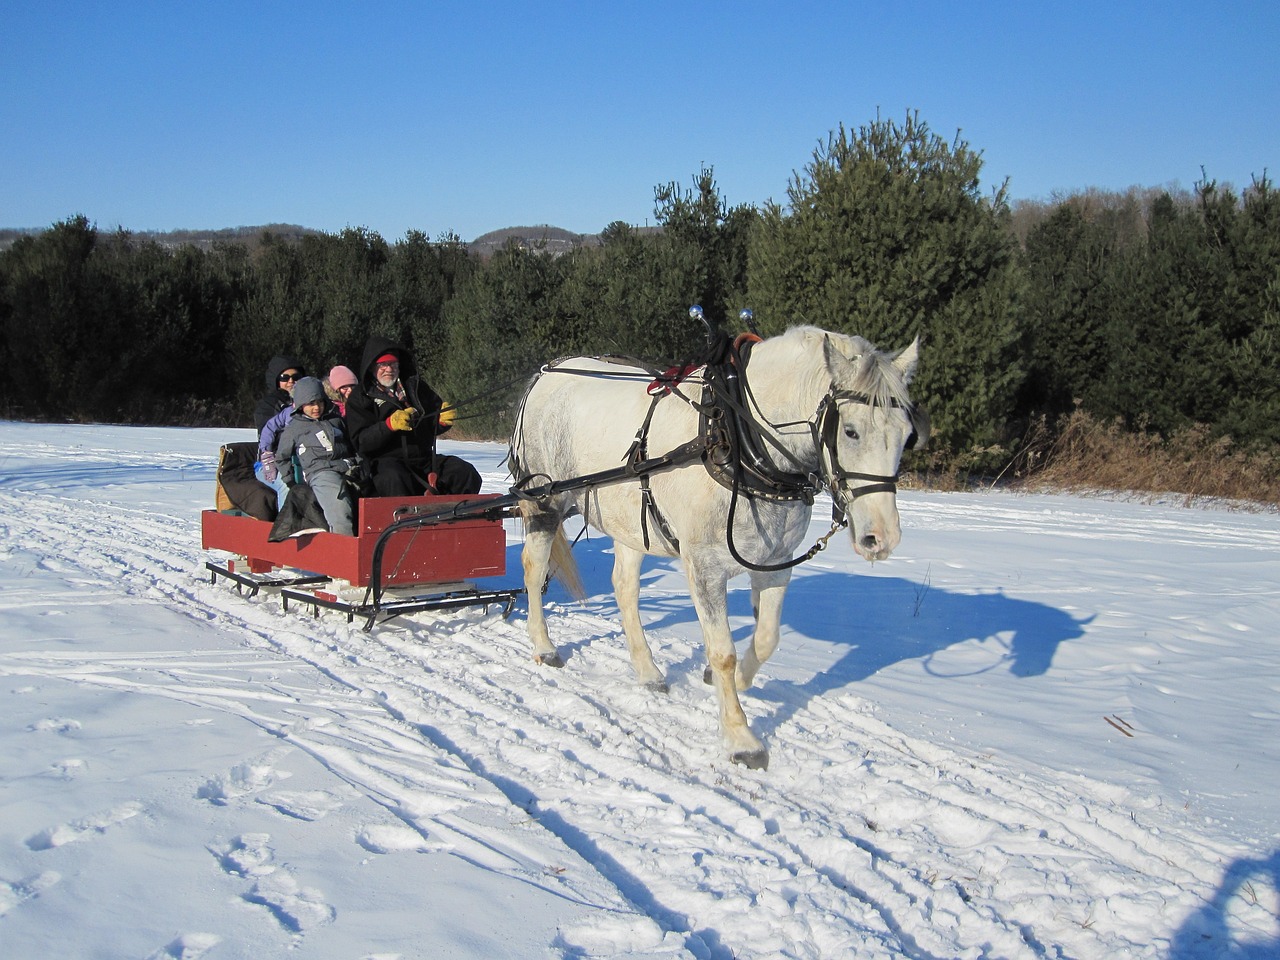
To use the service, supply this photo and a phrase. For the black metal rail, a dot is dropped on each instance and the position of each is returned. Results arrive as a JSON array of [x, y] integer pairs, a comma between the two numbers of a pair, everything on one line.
[[459, 596], [496, 508]]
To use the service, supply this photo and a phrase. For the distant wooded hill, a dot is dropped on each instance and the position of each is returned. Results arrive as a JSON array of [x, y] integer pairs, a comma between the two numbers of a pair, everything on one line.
[[172, 239], [554, 240]]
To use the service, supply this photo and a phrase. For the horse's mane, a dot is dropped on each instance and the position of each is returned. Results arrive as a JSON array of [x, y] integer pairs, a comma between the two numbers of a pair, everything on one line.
[[869, 371]]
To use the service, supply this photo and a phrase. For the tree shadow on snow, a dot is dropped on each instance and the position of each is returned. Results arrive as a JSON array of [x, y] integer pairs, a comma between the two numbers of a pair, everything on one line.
[[1226, 928]]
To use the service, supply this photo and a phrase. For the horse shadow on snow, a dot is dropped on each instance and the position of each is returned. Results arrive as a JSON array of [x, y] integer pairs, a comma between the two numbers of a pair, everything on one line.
[[877, 621]]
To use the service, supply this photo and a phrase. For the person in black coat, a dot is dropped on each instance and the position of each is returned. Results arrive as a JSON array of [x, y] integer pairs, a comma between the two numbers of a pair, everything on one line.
[[394, 420], [282, 373]]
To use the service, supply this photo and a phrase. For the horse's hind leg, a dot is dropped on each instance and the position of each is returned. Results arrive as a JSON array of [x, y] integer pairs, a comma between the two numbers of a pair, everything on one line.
[[768, 587], [708, 592], [541, 528], [626, 587]]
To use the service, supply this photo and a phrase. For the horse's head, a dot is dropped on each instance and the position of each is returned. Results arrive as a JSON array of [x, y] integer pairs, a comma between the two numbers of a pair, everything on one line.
[[863, 426]]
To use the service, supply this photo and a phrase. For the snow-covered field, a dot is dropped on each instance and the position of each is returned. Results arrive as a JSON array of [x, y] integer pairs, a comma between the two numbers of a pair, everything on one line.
[[1048, 727]]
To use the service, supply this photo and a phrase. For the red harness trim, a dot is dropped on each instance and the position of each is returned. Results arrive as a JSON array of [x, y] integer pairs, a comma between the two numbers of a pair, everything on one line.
[[670, 379]]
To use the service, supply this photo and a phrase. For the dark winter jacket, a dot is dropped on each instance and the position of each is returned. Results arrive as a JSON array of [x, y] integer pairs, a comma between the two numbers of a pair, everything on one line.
[[369, 407], [275, 399], [243, 490], [300, 515]]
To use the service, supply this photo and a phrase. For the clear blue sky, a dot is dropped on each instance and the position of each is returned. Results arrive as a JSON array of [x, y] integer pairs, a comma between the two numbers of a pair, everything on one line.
[[470, 116]]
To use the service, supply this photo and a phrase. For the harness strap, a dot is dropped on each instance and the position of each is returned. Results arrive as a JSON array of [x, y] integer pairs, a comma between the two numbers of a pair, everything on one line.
[[825, 425], [638, 453]]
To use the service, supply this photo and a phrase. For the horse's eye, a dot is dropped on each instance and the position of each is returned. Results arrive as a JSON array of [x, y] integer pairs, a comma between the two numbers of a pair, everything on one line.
[[851, 433]]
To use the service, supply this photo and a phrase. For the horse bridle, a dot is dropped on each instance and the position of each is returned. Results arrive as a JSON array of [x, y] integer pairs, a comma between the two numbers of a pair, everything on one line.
[[825, 427]]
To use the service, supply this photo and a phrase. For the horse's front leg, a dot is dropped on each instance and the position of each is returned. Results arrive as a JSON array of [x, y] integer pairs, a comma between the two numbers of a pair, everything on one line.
[[707, 588], [768, 587], [540, 533], [626, 587]]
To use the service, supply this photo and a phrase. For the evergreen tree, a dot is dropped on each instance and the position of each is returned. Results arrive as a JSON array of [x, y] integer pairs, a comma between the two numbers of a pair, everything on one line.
[[712, 240], [268, 320], [1066, 313], [886, 235], [50, 291], [347, 295], [424, 277], [500, 327], [1169, 352], [1252, 411]]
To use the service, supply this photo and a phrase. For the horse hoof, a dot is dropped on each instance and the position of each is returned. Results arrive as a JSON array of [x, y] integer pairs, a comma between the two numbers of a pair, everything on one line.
[[752, 759], [552, 659], [658, 686]]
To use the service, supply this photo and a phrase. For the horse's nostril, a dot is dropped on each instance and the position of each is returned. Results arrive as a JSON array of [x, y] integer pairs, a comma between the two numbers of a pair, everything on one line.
[[871, 542]]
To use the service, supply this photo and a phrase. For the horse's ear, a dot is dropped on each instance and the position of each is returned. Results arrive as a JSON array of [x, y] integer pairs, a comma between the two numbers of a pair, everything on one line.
[[837, 363], [828, 356], [906, 361]]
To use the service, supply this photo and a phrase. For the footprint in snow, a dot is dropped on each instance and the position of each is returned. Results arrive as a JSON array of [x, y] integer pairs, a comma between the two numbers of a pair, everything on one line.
[[397, 838], [248, 855], [14, 893], [65, 833], [303, 805], [189, 946], [295, 908], [54, 725], [69, 768], [242, 779]]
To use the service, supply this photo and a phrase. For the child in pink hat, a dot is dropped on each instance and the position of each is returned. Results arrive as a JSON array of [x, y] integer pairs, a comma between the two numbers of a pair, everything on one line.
[[341, 381]]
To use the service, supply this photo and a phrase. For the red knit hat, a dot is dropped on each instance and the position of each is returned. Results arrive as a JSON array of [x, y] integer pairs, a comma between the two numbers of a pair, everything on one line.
[[388, 358]]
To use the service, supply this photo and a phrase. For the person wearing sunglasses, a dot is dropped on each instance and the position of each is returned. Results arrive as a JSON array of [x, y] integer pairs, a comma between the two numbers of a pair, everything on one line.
[[283, 372]]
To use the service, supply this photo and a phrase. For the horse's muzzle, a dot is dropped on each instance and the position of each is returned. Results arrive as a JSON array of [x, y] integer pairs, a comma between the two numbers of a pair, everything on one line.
[[876, 543]]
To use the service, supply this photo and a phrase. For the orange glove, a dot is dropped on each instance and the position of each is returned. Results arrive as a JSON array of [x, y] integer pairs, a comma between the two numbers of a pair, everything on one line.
[[401, 420]]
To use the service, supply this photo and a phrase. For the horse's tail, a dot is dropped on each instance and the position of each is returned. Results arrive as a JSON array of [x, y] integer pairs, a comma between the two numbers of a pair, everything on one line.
[[565, 568], [563, 565]]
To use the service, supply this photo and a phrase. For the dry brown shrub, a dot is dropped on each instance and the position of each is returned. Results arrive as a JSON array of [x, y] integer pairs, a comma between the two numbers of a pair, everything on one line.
[[1082, 453]]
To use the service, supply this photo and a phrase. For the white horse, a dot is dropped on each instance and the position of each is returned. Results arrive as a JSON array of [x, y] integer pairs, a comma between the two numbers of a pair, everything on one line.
[[820, 410]]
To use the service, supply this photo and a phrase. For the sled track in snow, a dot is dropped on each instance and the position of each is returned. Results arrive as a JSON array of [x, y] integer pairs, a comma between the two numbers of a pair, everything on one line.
[[876, 844]]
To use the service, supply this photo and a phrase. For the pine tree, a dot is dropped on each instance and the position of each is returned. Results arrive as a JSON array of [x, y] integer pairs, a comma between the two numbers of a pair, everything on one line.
[[885, 235]]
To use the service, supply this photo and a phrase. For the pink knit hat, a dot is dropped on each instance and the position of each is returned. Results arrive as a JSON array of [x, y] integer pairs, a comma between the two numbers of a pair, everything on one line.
[[341, 376]]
